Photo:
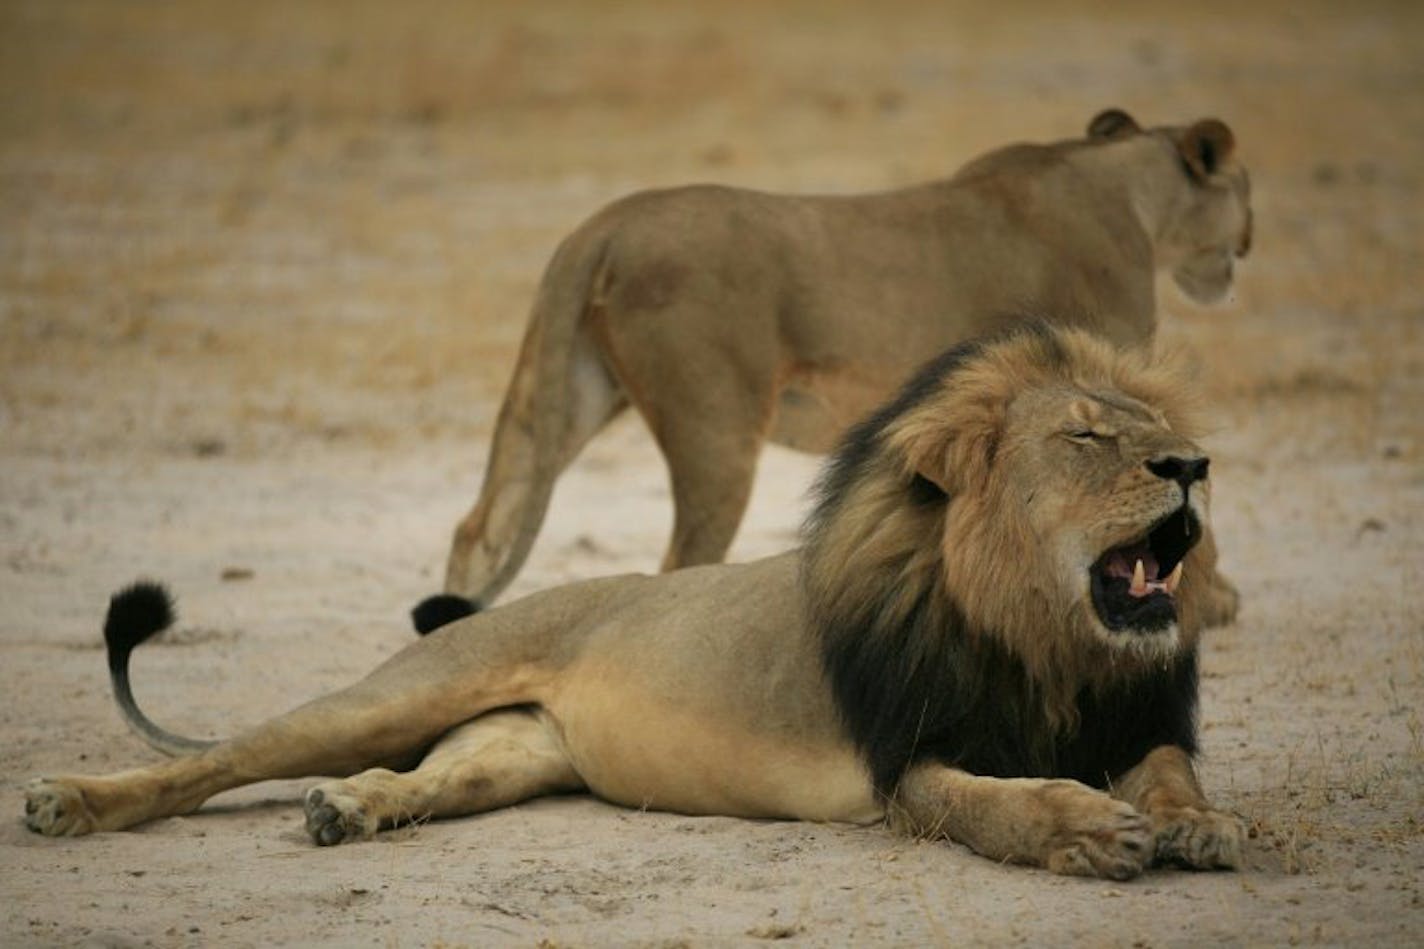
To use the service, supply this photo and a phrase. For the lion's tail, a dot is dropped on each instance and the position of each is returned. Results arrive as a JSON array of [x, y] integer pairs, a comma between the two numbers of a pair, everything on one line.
[[561, 394], [137, 613]]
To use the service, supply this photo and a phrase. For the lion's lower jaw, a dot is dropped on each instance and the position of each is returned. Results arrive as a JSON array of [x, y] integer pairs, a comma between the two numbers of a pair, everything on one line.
[[1156, 646], [1140, 646]]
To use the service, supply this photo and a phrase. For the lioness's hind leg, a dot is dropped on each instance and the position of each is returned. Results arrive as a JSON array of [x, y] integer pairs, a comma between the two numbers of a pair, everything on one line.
[[496, 760], [708, 507], [708, 392], [711, 451]]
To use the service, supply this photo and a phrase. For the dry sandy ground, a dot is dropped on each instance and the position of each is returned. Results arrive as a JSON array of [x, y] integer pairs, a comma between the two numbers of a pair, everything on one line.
[[263, 267]]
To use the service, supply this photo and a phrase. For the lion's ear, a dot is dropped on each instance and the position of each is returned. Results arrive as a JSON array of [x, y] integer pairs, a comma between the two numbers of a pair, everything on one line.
[[1205, 147], [1112, 123], [928, 459], [953, 453]]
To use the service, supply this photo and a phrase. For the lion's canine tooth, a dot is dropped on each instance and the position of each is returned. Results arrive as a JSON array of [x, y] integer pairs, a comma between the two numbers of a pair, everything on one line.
[[1139, 580], [1174, 579]]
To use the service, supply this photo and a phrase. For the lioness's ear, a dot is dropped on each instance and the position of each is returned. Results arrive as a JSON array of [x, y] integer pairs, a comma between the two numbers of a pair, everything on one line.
[[1112, 123], [1205, 147]]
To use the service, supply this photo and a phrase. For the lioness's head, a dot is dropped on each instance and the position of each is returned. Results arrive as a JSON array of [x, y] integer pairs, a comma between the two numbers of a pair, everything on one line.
[[1206, 210], [1044, 484]]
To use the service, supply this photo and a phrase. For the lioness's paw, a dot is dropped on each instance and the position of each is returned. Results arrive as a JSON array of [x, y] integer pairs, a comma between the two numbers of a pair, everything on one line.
[[335, 814], [1201, 839], [56, 809], [1092, 834]]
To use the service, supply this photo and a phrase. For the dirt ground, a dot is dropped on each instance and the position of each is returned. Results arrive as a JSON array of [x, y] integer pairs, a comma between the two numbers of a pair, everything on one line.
[[263, 270]]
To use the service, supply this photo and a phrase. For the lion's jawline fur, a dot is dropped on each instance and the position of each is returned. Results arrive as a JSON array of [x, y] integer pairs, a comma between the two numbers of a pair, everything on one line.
[[915, 683]]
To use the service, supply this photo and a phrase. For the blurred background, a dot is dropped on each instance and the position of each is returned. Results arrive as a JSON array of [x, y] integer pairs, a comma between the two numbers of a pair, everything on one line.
[[325, 220]]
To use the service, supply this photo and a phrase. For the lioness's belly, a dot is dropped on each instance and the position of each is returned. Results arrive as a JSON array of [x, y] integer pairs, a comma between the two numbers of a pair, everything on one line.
[[643, 751]]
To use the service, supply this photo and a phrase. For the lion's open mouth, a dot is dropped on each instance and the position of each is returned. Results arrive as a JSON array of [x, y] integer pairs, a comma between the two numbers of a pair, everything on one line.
[[1135, 585]]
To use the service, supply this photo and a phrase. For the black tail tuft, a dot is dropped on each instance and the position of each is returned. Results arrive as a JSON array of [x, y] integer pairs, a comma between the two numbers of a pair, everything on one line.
[[136, 612], [436, 611]]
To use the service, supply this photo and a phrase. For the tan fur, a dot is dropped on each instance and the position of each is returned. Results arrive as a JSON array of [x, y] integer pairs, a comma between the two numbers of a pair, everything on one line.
[[729, 317], [703, 691], [1061, 825]]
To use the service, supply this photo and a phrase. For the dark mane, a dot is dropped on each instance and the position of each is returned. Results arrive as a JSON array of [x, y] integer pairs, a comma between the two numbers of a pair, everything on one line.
[[911, 680]]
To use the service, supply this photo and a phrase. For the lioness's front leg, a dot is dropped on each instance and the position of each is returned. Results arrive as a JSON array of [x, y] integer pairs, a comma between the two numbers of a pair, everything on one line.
[[1188, 830], [1064, 826], [1220, 601]]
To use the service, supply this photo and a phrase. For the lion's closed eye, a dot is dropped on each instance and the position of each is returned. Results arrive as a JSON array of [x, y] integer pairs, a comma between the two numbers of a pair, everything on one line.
[[1087, 436]]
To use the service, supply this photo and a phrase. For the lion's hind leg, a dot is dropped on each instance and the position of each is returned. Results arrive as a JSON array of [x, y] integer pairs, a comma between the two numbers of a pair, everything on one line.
[[498, 759], [60, 807]]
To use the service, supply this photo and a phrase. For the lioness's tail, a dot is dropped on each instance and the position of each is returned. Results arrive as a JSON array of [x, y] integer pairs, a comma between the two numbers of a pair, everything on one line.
[[562, 393], [136, 613]]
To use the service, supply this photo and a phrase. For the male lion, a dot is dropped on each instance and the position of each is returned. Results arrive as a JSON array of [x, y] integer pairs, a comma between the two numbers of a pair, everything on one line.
[[728, 317], [990, 635]]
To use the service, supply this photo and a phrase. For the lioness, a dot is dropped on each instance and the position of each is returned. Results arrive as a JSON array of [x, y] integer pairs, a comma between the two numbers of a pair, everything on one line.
[[728, 317], [990, 635]]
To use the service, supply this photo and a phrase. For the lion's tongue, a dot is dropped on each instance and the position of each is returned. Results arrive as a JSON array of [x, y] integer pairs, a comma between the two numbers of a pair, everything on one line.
[[1122, 561]]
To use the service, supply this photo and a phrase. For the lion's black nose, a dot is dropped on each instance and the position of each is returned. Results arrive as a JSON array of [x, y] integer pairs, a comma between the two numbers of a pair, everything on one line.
[[1184, 471]]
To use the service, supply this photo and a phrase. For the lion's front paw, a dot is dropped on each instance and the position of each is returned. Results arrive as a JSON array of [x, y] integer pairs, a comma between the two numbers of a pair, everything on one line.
[[1093, 834], [56, 809], [1203, 839], [335, 814]]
